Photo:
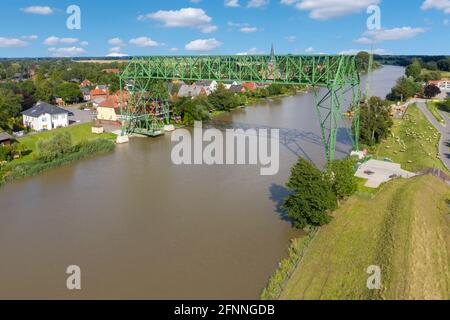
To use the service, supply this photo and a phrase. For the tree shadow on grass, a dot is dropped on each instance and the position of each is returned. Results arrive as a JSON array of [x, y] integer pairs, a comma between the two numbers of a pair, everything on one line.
[[278, 195]]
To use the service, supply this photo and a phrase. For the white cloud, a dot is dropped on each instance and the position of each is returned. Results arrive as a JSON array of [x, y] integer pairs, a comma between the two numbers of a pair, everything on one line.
[[445, 22], [203, 45], [173, 49], [67, 52], [115, 49], [443, 5], [208, 28], [30, 38], [38, 10], [251, 51], [310, 50], [84, 43], [353, 52], [327, 9], [291, 39], [117, 55], [53, 41], [377, 36], [257, 3], [183, 18], [248, 29], [232, 3], [144, 42], [12, 43], [116, 42]]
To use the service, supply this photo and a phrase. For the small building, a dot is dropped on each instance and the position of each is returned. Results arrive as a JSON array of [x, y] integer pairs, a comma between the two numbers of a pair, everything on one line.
[[99, 92], [108, 112], [44, 116], [191, 91], [209, 85], [86, 94], [111, 71], [250, 86], [443, 84], [86, 83], [228, 84], [6, 139], [60, 102], [237, 88]]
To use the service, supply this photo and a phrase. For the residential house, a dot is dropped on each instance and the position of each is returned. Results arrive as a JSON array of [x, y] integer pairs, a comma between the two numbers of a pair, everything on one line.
[[228, 84], [60, 102], [100, 92], [97, 101], [237, 88], [191, 91], [108, 112], [86, 94], [112, 71], [443, 84], [210, 86], [250, 86], [5, 139], [86, 83], [44, 116]]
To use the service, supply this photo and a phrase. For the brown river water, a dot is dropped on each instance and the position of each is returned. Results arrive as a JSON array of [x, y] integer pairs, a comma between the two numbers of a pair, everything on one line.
[[141, 227]]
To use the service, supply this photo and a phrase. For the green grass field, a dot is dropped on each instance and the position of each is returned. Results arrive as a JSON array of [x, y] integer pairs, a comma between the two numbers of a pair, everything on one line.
[[405, 230], [432, 107], [413, 143], [78, 133]]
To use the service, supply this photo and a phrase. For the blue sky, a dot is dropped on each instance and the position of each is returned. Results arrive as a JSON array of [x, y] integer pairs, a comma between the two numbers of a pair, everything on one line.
[[35, 28]]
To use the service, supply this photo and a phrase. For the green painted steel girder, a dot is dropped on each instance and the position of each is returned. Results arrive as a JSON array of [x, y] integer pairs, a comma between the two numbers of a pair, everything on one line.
[[338, 74]]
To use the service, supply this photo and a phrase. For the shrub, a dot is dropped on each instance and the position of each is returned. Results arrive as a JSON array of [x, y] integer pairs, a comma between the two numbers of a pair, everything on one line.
[[54, 147], [343, 178]]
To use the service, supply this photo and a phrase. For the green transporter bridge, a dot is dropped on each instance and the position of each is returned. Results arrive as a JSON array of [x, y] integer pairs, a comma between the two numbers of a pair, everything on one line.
[[147, 110]]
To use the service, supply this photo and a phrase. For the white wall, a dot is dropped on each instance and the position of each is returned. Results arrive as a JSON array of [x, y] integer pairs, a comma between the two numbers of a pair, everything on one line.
[[46, 121]]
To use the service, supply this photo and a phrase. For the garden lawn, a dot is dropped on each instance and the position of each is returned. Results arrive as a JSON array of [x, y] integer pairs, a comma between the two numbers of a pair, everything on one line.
[[78, 132]]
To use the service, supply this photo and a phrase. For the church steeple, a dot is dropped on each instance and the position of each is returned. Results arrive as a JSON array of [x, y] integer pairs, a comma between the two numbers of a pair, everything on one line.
[[272, 57]]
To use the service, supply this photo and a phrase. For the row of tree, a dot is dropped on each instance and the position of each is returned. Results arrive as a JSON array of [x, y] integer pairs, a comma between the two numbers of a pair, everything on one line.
[[200, 108]]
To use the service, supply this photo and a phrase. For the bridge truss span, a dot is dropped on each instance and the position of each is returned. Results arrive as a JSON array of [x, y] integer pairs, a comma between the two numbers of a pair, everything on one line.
[[337, 75]]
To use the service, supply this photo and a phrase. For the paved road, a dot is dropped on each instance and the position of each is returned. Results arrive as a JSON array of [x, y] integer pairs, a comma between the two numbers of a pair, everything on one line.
[[444, 143]]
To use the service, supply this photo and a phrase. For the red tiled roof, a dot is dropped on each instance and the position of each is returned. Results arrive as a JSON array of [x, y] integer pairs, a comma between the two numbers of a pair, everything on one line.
[[249, 85], [98, 92], [114, 100]]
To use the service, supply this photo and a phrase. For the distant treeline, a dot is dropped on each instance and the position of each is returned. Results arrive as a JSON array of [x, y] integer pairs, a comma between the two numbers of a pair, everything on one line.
[[405, 61]]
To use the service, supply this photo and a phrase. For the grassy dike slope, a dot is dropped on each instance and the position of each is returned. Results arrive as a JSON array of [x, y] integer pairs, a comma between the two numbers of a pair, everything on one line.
[[405, 230]]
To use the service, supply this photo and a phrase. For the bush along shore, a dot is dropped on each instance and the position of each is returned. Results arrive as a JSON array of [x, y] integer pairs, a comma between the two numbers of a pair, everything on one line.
[[54, 152]]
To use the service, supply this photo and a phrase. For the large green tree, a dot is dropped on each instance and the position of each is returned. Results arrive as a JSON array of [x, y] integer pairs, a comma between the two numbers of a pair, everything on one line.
[[69, 92], [414, 70], [10, 108], [375, 122], [311, 196], [404, 89], [342, 173]]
